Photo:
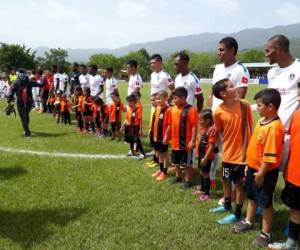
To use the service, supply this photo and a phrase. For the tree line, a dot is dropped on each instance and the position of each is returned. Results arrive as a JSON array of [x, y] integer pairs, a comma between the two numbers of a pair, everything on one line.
[[14, 56]]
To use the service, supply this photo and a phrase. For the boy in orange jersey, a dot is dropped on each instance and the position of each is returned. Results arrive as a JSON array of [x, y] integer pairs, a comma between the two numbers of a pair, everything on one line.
[[160, 124], [50, 103], [139, 105], [182, 130], [57, 112], [96, 108], [132, 126], [291, 192], [115, 109], [65, 109], [86, 109], [233, 120], [77, 99], [263, 159]]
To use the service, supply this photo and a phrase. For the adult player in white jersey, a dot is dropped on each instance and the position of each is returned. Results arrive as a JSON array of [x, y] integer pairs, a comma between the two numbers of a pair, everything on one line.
[[135, 80], [229, 68], [189, 80], [61, 80], [160, 80], [84, 78], [111, 84], [96, 82], [285, 78]]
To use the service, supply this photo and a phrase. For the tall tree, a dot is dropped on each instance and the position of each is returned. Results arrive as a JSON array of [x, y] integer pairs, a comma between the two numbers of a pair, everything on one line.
[[56, 57], [16, 56]]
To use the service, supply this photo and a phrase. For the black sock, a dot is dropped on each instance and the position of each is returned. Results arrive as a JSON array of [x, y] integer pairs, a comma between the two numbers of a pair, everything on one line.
[[165, 171], [238, 211], [178, 179], [227, 203], [202, 184], [161, 167], [154, 158], [294, 230], [207, 186]]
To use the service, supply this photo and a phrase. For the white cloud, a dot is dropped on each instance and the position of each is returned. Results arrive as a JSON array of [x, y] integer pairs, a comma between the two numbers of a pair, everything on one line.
[[289, 12], [225, 6], [57, 11]]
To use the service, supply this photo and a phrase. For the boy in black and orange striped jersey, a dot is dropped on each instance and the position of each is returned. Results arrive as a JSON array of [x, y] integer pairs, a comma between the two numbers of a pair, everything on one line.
[[132, 126], [160, 124], [65, 109], [182, 130], [77, 99], [86, 109]]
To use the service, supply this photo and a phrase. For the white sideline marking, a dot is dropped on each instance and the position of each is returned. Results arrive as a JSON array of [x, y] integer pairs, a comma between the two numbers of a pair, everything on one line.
[[66, 155]]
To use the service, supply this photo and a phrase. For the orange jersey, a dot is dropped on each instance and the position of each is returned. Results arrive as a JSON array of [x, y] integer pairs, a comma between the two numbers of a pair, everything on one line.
[[51, 100], [235, 125], [96, 111], [77, 100], [206, 138], [57, 100], [65, 105], [139, 105], [133, 117], [182, 120], [86, 104], [115, 112], [266, 145], [160, 123], [292, 171]]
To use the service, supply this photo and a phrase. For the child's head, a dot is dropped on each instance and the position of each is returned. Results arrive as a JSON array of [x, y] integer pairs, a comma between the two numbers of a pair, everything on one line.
[[153, 100], [131, 101], [179, 96], [78, 90], [87, 92], [206, 118], [224, 89], [115, 97], [64, 97], [58, 93], [162, 98], [268, 102], [138, 95], [98, 101]]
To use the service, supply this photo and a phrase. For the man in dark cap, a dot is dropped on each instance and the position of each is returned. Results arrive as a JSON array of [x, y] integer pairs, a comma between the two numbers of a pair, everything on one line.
[[22, 87]]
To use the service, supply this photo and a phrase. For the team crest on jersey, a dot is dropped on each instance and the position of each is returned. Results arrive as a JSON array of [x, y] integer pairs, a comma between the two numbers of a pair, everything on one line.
[[170, 80], [244, 79], [291, 77], [198, 89]]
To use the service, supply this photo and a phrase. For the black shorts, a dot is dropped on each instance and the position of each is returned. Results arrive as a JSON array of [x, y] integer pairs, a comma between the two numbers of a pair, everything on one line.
[[131, 133], [205, 169], [183, 158], [262, 196], [115, 126], [87, 113], [291, 196], [233, 172], [160, 147]]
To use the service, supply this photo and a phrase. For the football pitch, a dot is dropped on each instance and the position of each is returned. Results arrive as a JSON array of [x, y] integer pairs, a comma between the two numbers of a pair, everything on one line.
[[55, 201]]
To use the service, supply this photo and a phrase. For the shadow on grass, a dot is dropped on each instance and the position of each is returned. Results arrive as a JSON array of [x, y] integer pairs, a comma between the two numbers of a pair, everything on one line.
[[53, 135], [33, 227], [9, 173]]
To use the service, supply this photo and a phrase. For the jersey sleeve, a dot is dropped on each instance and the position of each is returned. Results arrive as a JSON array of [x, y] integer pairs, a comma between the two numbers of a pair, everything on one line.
[[101, 81], [218, 121], [196, 86], [242, 78], [193, 117], [273, 145], [168, 80], [212, 138]]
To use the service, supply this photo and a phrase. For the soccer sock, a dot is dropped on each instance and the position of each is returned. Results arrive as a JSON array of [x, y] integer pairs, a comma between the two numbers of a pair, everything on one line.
[[238, 211], [294, 230], [207, 186], [165, 171], [227, 204], [202, 184], [154, 158], [161, 167]]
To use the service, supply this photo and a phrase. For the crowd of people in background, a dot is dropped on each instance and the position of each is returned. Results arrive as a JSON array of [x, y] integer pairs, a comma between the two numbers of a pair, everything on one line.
[[251, 155]]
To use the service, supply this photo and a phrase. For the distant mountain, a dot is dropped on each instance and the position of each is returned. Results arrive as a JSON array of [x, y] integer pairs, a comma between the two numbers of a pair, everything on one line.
[[248, 38]]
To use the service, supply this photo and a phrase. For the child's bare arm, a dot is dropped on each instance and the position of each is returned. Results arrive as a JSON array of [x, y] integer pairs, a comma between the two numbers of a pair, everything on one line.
[[166, 138], [192, 143]]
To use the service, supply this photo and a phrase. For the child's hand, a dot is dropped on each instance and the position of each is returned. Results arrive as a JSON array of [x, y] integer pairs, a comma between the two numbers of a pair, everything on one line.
[[203, 162], [191, 145], [259, 179]]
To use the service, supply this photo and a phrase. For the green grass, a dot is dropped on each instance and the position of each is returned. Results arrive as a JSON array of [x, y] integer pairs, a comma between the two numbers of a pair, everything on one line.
[[63, 203]]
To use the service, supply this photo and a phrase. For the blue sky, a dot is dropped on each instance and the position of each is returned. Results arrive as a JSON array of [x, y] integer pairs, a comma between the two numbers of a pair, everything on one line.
[[116, 23]]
